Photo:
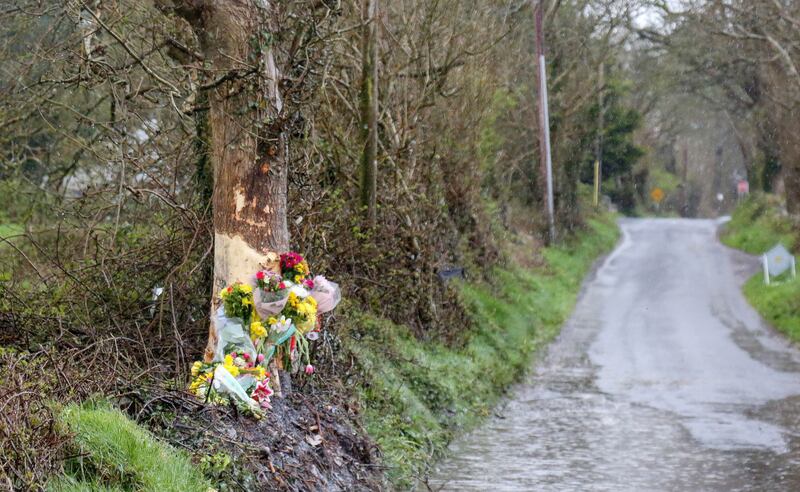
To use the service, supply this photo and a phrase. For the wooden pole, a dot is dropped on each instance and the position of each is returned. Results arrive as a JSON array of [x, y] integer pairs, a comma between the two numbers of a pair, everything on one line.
[[544, 120], [598, 171], [369, 110], [596, 199]]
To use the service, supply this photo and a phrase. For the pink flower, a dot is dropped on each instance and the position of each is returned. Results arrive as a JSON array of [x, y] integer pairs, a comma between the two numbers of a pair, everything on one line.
[[234, 355], [290, 260], [260, 275], [246, 356], [260, 358], [309, 369], [262, 392]]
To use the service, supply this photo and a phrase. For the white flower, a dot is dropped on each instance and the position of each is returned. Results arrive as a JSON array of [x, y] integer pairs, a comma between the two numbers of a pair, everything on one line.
[[281, 325], [312, 335], [298, 290]]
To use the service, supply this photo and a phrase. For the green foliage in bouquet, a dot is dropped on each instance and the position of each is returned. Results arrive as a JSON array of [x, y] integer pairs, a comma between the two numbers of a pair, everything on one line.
[[238, 301]]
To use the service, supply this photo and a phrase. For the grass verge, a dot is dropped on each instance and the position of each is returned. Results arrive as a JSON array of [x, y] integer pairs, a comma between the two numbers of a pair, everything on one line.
[[778, 303], [756, 226], [113, 453], [419, 394]]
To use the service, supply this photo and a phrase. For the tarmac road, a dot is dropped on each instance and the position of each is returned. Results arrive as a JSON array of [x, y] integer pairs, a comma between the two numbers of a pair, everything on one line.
[[664, 378]]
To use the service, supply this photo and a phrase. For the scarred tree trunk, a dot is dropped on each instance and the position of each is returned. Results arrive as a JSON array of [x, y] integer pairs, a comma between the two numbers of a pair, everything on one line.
[[247, 145]]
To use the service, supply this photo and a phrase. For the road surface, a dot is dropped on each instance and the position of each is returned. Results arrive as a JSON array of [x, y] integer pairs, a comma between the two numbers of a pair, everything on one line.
[[664, 378]]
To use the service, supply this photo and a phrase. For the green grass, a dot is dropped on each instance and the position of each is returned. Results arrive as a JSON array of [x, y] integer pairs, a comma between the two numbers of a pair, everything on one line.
[[755, 227], [778, 303], [116, 454], [419, 394], [7, 230], [70, 484]]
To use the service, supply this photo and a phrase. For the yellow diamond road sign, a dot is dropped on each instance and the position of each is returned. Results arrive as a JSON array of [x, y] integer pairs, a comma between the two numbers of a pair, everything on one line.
[[657, 195]]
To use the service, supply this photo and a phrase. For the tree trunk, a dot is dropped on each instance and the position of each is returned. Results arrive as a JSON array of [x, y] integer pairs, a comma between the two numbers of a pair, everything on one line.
[[246, 141], [790, 163], [369, 110]]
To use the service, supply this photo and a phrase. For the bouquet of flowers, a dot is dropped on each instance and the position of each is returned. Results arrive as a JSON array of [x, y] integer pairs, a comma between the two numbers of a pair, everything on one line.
[[238, 301], [277, 320], [271, 293], [240, 376]]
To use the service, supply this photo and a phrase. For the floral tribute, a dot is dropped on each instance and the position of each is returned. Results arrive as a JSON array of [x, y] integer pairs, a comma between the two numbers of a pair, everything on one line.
[[271, 323]]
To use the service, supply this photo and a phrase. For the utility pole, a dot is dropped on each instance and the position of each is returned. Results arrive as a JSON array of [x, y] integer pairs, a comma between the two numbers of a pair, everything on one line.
[[544, 119], [598, 163]]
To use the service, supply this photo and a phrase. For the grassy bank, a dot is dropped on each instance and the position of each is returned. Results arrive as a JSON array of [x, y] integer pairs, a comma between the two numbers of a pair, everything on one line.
[[778, 303], [419, 394], [756, 226], [416, 395], [113, 453]]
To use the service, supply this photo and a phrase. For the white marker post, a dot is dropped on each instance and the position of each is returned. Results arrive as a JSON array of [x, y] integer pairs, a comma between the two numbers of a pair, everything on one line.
[[777, 261]]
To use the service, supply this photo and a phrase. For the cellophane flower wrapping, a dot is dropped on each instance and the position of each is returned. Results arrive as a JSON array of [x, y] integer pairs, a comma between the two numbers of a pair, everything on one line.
[[225, 383], [326, 293], [230, 332], [270, 303]]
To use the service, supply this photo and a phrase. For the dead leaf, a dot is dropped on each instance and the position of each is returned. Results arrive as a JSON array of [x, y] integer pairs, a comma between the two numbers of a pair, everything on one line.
[[314, 440]]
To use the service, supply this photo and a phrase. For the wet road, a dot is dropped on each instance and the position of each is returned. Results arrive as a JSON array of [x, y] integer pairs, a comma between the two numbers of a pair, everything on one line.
[[664, 378]]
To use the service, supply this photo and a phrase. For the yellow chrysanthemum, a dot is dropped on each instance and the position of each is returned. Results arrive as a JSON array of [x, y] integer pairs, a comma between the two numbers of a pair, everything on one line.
[[230, 367], [245, 288], [199, 381], [272, 321], [223, 293], [246, 301], [196, 368], [257, 330]]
